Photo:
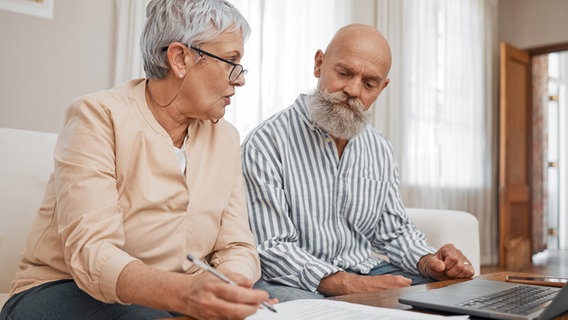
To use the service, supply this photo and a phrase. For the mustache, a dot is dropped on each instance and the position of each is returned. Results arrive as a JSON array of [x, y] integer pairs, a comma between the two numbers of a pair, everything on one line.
[[341, 98]]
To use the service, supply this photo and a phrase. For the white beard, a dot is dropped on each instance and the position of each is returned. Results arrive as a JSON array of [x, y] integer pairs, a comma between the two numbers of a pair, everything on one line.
[[337, 114]]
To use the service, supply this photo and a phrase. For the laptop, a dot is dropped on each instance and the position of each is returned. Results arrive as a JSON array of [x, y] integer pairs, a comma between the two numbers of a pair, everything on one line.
[[480, 297]]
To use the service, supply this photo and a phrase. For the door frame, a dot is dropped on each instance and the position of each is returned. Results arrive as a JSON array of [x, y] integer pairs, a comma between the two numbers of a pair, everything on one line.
[[533, 51], [537, 51], [562, 46]]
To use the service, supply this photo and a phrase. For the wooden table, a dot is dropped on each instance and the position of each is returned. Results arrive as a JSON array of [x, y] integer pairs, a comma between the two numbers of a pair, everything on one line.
[[389, 298]]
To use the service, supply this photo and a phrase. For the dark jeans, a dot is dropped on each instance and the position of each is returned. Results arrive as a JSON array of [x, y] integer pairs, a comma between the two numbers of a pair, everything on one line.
[[64, 300], [286, 293]]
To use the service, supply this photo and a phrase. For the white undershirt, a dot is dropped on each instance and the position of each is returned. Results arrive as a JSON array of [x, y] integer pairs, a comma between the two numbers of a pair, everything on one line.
[[180, 154]]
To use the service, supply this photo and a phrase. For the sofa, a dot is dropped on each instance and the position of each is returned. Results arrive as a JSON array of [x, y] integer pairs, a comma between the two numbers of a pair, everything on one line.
[[27, 162]]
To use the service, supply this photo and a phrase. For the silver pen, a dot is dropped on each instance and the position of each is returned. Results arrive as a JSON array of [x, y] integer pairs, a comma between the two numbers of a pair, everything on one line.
[[208, 268]]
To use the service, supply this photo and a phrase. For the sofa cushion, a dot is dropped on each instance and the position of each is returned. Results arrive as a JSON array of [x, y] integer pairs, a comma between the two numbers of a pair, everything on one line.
[[27, 162]]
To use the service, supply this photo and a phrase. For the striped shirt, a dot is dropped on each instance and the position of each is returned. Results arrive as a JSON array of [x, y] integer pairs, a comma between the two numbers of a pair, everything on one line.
[[314, 214]]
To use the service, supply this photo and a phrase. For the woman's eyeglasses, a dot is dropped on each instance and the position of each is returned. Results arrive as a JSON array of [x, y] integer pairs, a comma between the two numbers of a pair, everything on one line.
[[236, 71]]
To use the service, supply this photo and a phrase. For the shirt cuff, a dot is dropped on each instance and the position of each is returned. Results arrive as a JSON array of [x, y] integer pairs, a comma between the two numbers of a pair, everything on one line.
[[313, 272], [411, 262], [241, 267], [110, 271]]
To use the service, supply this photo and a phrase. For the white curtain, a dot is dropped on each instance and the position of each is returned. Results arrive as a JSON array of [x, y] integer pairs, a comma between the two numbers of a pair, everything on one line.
[[280, 52], [130, 19], [439, 110]]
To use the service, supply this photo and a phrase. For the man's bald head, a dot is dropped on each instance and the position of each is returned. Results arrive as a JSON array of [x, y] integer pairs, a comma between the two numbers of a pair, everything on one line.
[[351, 74], [357, 61], [363, 38]]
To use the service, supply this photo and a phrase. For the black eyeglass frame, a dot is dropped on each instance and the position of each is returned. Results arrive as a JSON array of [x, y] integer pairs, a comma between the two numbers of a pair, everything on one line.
[[236, 66]]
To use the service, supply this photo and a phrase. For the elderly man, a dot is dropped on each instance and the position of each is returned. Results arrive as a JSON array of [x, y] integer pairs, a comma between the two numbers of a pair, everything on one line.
[[322, 186]]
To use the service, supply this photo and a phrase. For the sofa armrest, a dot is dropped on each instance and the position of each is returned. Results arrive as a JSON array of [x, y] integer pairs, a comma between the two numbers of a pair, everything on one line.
[[449, 226]]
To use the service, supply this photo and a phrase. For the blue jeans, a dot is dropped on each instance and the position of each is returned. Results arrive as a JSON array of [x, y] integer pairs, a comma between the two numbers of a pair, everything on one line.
[[286, 293], [64, 300]]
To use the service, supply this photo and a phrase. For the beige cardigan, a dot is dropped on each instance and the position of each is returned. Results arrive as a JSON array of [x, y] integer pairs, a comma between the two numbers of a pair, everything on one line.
[[117, 195]]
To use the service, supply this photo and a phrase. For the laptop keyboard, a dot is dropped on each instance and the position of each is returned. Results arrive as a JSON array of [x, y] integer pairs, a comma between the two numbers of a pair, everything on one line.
[[518, 300]]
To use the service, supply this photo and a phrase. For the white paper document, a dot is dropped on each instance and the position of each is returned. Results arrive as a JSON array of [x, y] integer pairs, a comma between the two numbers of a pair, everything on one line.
[[316, 309]]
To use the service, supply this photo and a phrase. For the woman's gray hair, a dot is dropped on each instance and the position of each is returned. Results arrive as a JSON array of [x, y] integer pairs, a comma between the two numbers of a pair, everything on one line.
[[191, 22]]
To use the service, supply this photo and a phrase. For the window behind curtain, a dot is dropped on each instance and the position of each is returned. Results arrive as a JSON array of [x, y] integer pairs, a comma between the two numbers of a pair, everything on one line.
[[446, 123], [439, 110]]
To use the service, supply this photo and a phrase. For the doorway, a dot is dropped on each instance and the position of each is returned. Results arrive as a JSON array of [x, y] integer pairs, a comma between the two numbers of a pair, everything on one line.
[[556, 155], [533, 165], [550, 105]]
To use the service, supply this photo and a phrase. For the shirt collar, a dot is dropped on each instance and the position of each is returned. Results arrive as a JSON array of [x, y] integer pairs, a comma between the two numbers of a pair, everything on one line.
[[301, 106]]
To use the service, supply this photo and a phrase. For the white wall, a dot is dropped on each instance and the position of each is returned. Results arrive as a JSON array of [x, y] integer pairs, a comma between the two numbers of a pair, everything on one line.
[[45, 63], [533, 23]]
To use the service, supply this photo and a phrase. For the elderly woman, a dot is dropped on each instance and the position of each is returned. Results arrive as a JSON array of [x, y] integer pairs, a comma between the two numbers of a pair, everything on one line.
[[145, 174]]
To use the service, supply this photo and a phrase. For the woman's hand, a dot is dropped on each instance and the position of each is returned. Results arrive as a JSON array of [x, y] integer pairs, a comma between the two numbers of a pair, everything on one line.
[[207, 297], [200, 295]]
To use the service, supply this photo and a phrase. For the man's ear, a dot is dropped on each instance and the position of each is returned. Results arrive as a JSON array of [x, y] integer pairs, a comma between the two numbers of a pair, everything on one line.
[[386, 83], [318, 60]]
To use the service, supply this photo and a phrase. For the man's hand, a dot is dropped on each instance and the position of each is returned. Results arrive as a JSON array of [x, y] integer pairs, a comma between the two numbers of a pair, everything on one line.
[[447, 263], [346, 283]]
